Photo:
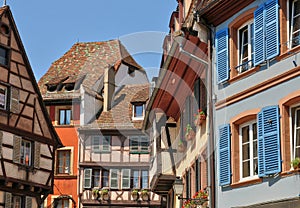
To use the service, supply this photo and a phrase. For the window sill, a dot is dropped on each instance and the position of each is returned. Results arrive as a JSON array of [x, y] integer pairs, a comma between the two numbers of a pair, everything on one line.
[[138, 152], [290, 173], [246, 183], [64, 176], [244, 74], [288, 53]]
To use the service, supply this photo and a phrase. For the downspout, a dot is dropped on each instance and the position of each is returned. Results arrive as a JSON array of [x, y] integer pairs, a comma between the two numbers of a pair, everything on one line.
[[210, 130]]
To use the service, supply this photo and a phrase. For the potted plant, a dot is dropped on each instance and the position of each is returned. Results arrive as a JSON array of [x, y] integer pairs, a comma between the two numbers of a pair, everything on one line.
[[105, 194], [296, 163], [145, 195], [199, 117], [135, 194], [181, 146], [189, 132], [96, 192]]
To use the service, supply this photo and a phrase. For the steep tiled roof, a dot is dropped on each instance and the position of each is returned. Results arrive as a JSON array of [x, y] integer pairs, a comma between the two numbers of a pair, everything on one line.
[[120, 115], [88, 60]]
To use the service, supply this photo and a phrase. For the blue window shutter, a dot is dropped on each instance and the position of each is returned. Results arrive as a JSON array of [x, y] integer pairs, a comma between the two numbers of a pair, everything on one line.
[[271, 134], [222, 56], [272, 29], [259, 35], [224, 155], [261, 165]]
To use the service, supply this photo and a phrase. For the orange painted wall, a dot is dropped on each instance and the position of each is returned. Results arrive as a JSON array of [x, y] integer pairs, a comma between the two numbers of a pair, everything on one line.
[[67, 185]]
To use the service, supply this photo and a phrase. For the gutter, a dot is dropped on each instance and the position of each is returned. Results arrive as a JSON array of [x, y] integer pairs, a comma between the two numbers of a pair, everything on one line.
[[158, 83]]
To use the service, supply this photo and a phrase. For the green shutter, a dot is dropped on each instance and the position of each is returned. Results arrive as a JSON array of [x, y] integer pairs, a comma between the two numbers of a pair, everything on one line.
[[17, 149]]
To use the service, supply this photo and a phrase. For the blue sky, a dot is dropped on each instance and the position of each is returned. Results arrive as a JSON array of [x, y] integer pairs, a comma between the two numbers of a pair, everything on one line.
[[48, 29]]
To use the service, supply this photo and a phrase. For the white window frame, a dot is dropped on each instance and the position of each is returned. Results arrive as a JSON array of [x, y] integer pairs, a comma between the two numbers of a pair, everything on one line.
[[139, 147], [4, 96], [250, 52], [250, 124], [99, 143], [134, 105], [23, 152], [293, 132], [113, 178], [87, 176], [143, 178], [126, 176], [290, 5]]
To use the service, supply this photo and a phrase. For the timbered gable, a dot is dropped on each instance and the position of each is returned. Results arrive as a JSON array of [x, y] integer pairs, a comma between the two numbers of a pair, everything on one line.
[[21, 106]]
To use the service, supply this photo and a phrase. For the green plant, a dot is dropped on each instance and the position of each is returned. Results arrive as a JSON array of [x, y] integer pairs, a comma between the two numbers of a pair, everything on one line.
[[104, 191], [144, 192], [188, 129], [96, 191], [295, 162], [135, 191]]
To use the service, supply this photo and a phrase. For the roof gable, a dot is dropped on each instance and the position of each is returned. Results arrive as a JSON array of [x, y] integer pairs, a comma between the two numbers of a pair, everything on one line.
[[25, 111]]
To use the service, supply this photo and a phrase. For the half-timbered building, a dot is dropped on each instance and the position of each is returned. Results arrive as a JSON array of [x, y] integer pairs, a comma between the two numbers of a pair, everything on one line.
[[96, 95], [27, 138]]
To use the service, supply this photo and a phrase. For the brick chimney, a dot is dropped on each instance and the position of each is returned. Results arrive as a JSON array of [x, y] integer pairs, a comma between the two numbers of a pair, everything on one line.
[[109, 88]]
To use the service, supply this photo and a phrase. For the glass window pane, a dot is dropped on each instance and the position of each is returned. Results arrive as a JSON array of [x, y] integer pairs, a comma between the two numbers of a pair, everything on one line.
[[2, 98], [3, 56], [246, 168], [105, 175], [246, 153], [96, 143], [144, 179], [135, 179], [96, 178], [138, 110], [68, 117], [245, 134], [61, 117], [106, 143]]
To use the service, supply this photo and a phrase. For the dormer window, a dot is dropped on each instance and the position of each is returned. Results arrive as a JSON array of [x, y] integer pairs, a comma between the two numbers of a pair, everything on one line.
[[51, 87], [69, 86], [131, 70], [138, 111]]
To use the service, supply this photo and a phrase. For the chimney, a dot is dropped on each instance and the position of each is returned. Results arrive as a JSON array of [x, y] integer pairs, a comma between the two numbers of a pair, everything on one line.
[[109, 88]]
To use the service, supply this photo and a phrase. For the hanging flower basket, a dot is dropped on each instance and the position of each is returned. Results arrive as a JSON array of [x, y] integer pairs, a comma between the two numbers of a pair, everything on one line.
[[105, 194], [145, 195], [296, 163], [135, 194], [200, 117], [181, 146], [189, 132]]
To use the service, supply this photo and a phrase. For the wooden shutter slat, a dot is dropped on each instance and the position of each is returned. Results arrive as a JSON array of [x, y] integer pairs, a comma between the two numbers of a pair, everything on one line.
[[17, 149], [260, 144], [14, 104], [222, 57], [28, 202], [224, 155], [272, 157], [259, 35], [272, 29], [37, 154]]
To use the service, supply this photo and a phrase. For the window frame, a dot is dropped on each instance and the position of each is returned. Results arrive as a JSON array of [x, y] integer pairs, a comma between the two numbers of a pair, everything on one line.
[[97, 143], [65, 110], [290, 5], [138, 149], [134, 106], [126, 177], [23, 153], [64, 161], [112, 171], [292, 125], [250, 124], [248, 24], [6, 96], [7, 58]]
